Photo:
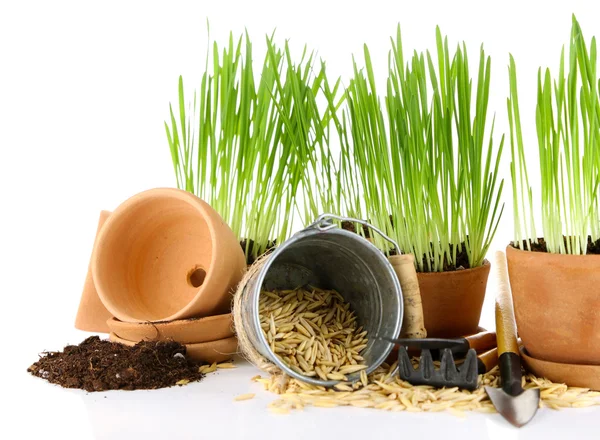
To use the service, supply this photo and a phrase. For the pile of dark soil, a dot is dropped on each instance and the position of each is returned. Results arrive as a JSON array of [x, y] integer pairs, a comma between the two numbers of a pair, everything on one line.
[[100, 365], [593, 247]]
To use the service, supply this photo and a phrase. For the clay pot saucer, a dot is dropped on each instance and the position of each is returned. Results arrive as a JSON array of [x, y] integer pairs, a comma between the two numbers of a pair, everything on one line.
[[213, 351], [574, 375], [194, 330], [163, 255]]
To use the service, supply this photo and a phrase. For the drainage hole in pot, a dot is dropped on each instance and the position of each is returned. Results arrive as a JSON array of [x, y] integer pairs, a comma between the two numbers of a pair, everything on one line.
[[196, 276]]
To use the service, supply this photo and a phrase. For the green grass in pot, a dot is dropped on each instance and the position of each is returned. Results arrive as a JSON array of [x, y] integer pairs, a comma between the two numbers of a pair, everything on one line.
[[567, 120], [308, 132], [232, 145], [425, 160]]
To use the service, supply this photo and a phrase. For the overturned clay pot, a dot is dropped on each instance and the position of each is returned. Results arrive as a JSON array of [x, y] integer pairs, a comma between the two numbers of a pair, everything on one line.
[[574, 375], [213, 351], [185, 331], [165, 255], [452, 301], [92, 315], [557, 305]]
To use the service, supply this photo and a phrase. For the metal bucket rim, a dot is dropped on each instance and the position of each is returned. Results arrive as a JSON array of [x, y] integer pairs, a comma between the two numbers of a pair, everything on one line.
[[308, 232]]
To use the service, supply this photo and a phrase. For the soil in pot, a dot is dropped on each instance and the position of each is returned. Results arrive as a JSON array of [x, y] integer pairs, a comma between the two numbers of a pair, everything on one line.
[[461, 263], [593, 247], [101, 365], [346, 225], [249, 243], [353, 227]]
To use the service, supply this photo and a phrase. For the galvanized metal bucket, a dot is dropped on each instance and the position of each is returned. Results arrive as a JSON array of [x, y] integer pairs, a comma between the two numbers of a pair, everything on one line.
[[326, 256]]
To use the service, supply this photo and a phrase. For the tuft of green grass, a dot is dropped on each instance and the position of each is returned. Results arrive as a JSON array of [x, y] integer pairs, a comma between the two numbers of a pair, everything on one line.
[[241, 143], [308, 134], [567, 120], [426, 163]]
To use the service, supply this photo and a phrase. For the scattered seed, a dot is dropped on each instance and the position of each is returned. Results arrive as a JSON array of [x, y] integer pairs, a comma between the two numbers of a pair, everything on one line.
[[389, 393], [225, 365]]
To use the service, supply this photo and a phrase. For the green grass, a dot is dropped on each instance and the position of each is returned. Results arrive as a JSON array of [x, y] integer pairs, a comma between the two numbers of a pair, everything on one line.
[[567, 120], [426, 164], [240, 143], [308, 134]]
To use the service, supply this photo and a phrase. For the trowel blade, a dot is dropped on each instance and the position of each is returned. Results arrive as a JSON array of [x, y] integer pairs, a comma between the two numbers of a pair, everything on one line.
[[518, 410]]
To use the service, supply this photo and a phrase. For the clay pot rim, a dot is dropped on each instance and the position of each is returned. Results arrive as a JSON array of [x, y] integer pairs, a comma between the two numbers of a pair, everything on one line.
[[485, 266], [165, 323], [115, 338], [185, 331], [181, 195], [510, 248]]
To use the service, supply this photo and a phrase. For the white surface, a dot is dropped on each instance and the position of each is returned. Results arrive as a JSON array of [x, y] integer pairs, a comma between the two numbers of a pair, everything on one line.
[[207, 410], [84, 90]]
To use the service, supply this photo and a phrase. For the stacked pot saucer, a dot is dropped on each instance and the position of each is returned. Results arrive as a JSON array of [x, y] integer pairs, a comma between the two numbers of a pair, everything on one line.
[[574, 375], [165, 266], [209, 339]]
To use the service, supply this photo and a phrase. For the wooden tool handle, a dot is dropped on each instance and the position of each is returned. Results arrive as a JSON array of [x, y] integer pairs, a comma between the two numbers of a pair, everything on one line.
[[506, 329], [413, 325], [482, 340], [488, 360]]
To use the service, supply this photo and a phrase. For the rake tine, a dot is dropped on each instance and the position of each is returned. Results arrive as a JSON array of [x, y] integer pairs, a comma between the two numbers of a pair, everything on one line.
[[468, 369], [404, 364], [426, 367], [447, 366], [449, 375]]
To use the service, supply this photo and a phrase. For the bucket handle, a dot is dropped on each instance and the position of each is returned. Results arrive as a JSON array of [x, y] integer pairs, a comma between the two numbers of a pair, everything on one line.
[[413, 325], [323, 223]]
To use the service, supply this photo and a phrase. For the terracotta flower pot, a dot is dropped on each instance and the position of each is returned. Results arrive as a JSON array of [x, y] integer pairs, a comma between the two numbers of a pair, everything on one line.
[[213, 351], [164, 255], [92, 315], [193, 330], [557, 305], [452, 301]]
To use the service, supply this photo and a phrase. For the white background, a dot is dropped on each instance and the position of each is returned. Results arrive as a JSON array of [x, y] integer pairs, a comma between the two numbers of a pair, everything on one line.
[[84, 90]]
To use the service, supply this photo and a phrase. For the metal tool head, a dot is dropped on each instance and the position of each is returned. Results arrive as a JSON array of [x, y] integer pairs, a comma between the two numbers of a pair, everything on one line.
[[448, 375], [519, 409], [456, 345]]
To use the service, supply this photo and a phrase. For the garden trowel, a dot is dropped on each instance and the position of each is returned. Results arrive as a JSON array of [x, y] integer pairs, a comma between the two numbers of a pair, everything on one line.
[[516, 405]]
